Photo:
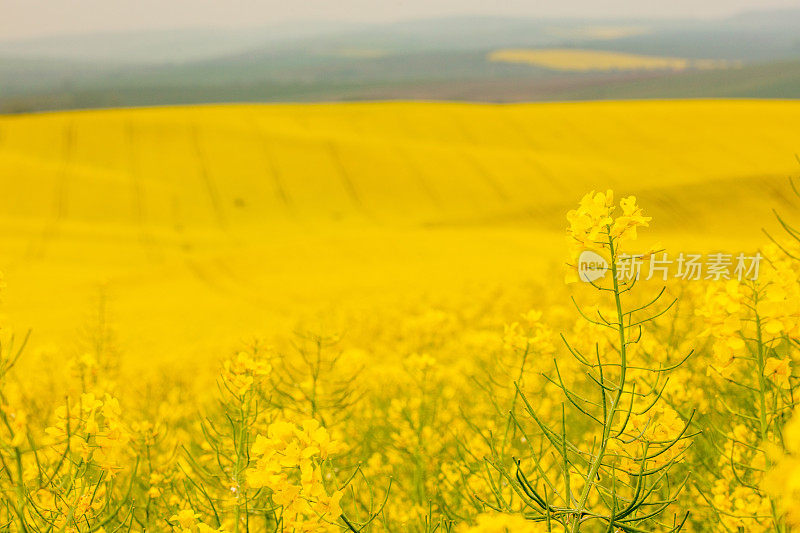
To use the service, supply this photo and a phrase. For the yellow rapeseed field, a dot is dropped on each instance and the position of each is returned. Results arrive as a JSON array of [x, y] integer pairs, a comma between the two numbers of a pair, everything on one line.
[[368, 317], [571, 59]]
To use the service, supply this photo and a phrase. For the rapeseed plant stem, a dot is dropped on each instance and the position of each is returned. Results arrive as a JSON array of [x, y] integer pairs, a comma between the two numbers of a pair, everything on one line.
[[610, 414]]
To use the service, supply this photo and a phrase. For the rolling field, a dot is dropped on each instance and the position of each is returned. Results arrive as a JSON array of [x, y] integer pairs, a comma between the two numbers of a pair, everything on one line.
[[219, 213], [144, 246], [597, 60]]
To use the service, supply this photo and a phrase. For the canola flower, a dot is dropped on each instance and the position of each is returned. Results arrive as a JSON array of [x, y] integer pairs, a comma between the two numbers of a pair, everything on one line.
[[753, 330], [622, 412], [782, 482], [594, 226]]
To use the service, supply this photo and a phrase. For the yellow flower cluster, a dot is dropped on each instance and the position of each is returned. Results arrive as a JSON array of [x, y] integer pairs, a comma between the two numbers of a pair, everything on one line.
[[63, 509], [15, 416], [531, 335], [778, 304], [241, 372], [93, 429], [783, 481], [653, 434], [189, 521], [288, 463], [722, 308], [593, 223], [741, 505]]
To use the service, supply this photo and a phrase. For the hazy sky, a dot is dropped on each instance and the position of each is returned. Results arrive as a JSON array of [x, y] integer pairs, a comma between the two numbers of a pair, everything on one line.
[[29, 18]]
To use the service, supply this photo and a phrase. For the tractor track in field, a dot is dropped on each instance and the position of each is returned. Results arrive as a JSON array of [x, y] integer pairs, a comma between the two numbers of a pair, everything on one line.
[[516, 127], [486, 176], [418, 173], [222, 280], [38, 247], [420, 177], [654, 146], [207, 277], [587, 140], [148, 242], [346, 180], [530, 151], [469, 157], [272, 168], [205, 176], [195, 265], [330, 146]]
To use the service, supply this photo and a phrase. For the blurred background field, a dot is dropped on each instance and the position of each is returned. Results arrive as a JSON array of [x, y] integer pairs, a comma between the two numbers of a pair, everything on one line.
[[200, 227], [755, 54]]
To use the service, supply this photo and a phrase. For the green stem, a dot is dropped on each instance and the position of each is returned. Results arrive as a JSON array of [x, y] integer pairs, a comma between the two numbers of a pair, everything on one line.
[[762, 404], [609, 420]]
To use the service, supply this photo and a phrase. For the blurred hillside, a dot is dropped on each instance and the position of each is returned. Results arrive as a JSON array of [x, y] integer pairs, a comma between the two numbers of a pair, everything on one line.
[[440, 59]]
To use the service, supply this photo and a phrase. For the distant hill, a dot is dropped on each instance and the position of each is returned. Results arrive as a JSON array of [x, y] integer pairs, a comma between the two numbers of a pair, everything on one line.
[[763, 80], [421, 59], [164, 46]]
